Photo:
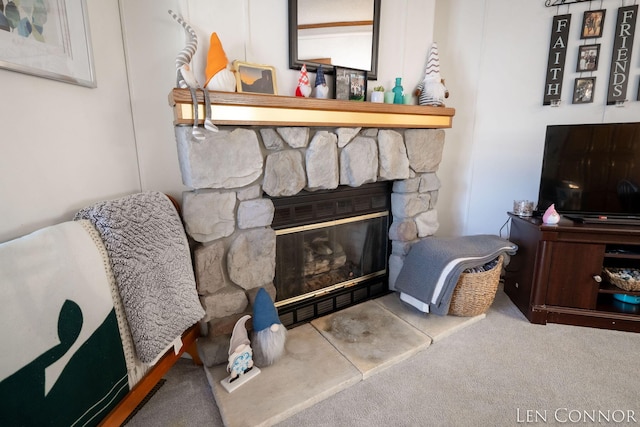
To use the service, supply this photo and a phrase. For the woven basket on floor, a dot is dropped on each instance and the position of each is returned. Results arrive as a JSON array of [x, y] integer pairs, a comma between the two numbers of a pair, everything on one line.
[[475, 292]]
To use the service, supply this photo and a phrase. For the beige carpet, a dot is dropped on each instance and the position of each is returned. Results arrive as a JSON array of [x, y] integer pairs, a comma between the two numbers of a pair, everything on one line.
[[331, 354]]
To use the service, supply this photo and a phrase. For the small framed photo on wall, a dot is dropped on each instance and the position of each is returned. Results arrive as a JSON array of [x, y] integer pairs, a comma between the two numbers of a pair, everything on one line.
[[583, 90], [350, 84], [588, 57], [592, 24]]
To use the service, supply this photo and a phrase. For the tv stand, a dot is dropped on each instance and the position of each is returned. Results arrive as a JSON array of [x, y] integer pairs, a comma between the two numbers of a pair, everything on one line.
[[556, 275]]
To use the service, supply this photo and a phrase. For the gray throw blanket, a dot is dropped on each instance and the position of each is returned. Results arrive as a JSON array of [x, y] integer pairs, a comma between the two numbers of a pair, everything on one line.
[[149, 255], [433, 266]]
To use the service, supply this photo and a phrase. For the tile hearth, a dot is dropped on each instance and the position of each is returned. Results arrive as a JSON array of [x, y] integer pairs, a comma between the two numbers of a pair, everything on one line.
[[329, 355]]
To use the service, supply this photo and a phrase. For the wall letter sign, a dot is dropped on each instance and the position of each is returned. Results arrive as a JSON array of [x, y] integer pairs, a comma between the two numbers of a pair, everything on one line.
[[557, 55], [621, 57]]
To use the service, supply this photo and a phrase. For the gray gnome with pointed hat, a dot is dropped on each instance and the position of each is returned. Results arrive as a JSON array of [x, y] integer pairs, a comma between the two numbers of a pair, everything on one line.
[[431, 91]]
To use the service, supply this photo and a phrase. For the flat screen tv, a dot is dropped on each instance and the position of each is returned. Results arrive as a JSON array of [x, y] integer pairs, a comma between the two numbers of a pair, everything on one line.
[[592, 171]]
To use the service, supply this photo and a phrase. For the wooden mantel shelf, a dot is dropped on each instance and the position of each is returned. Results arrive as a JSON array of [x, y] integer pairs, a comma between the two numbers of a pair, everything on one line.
[[243, 109]]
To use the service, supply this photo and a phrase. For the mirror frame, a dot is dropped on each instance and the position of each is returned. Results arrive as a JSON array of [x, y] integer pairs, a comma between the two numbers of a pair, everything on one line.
[[296, 64]]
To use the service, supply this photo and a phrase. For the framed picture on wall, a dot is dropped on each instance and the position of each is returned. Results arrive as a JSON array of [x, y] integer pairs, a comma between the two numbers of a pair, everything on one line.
[[53, 42], [592, 23], [588, 57], [255, 78], [350, 84], [583, 90]]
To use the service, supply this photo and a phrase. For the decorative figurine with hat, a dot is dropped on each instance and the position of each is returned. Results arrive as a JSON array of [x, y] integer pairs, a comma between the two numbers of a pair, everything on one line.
[[269, 334], [304, 87], [186, 78], [240, 366], [321, 89], [431, 91], [219, 76]]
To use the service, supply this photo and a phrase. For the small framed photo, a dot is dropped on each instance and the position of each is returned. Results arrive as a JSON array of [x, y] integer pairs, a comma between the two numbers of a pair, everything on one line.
[[588, 57], [583, 90], [592, 24], [350, 84], [255, 78]]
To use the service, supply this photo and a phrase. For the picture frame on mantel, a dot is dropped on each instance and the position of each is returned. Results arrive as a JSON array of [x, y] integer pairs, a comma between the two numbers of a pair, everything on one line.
[[588, 56], [583, 90], [52, 42], [350, 84], [255, 78], [592, 24]]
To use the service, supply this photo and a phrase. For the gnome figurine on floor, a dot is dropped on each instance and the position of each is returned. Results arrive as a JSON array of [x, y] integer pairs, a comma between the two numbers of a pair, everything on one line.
[[431, 91], [304, 87], [269, 334], [240, 362], [321, 90]]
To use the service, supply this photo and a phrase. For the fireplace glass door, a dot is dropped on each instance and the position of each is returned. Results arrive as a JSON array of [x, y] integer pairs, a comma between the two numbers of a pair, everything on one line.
[[315, 259]]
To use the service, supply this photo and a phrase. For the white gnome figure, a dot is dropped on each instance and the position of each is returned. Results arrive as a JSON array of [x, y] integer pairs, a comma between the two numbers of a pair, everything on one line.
[[269, 334], [431, 91], [240, 353]]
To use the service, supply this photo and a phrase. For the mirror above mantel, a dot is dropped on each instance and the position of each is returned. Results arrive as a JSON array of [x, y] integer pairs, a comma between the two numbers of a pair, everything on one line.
[[334, 33]]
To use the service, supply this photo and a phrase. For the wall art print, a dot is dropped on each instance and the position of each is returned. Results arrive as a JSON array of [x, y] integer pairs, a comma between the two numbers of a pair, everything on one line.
[[621, 59], [47, 38], [557, 56]]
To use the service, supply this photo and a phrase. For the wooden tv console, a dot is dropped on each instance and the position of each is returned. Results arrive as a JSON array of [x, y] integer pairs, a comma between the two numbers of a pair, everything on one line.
[[556, 275]]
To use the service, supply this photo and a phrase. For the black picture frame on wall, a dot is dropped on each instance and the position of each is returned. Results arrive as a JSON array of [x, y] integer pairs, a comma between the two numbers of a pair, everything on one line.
[[583, 90], [350, 84], [592, 24], [588, 57]]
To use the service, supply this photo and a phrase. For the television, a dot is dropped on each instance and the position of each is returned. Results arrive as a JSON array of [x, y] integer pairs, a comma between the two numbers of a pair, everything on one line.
[[591, 172]]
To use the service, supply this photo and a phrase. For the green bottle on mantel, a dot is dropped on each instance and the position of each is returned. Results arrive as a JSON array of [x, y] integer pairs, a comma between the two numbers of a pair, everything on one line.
[[397, 92]]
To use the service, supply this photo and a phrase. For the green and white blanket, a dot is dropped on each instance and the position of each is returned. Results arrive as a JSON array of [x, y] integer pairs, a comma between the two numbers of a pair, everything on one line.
[[63, 364]]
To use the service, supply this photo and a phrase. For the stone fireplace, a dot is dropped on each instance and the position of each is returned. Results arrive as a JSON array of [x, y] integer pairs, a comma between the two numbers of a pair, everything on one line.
[[253, 178]]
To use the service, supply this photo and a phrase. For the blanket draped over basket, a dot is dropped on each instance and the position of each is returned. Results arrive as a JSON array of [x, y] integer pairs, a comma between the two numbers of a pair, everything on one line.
[[432, 267], [149, 253]]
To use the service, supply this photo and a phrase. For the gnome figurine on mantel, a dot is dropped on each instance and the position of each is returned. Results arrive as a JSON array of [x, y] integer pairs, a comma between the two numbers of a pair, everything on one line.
[[431, 91], [304, 87], [321, 90], [269, 334], [219, 76]]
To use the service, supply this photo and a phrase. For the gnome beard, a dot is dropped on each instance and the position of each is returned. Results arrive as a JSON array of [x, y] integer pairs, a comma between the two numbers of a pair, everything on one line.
[[268, 344]]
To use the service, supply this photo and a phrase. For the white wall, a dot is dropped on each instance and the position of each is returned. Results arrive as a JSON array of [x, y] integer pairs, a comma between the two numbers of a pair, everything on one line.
[[80, 145], [64, 146], [497, 58]]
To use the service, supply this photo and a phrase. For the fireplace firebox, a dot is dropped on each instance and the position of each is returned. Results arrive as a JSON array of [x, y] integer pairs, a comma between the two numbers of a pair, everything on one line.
[[332, 249]]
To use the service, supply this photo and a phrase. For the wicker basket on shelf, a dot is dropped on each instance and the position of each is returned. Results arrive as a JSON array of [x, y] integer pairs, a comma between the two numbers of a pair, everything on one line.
[[475, 292], [627, 279]]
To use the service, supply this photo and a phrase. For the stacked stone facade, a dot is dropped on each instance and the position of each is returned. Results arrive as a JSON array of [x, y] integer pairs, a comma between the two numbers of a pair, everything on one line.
[[229, 220]]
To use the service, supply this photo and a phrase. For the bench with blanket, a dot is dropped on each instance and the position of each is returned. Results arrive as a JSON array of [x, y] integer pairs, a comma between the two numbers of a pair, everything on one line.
[[95, 311], [432, 267]]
